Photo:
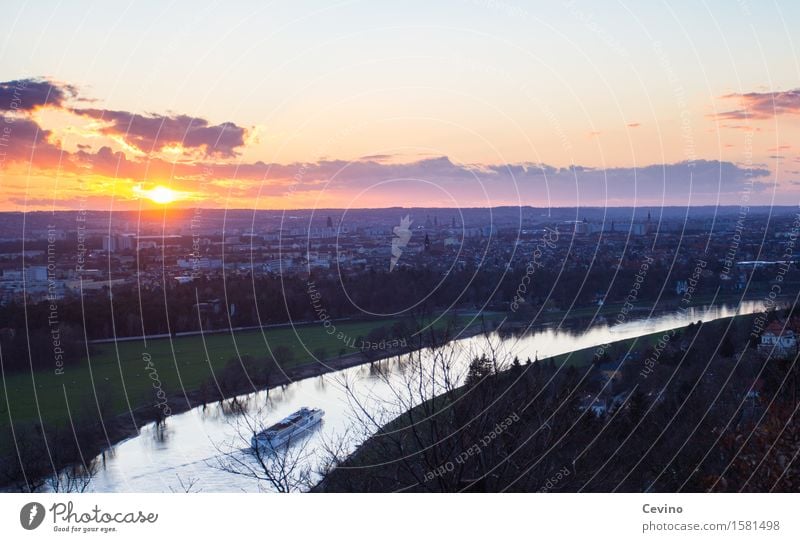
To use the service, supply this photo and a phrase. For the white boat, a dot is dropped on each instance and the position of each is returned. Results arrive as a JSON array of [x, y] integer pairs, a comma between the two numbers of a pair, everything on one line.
[[292, 427]]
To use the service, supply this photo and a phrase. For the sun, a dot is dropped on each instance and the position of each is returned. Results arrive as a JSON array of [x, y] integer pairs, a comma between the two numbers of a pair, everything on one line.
[[162, 194], [159, 194]]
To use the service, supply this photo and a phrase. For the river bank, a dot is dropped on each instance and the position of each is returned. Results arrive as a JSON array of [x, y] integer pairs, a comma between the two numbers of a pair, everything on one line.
[[137, 442], [537, 427], [147, 414], [118, 428]]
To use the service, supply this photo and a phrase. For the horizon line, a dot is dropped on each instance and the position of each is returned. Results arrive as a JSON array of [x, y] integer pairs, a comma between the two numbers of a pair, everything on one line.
[[348, 209]]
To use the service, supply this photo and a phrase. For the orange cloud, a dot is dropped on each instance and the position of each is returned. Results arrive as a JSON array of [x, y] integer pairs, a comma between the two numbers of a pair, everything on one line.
[[150, 133], [191, 156], [762, 105]]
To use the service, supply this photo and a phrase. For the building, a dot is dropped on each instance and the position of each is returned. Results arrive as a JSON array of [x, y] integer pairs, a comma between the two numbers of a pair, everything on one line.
[[594, 404], [778, 340], [118, 243]]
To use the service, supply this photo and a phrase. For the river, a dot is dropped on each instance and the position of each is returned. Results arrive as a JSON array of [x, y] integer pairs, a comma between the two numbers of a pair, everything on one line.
[[187, 449]]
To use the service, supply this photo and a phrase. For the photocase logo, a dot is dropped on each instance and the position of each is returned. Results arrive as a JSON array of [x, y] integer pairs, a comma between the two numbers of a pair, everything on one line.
[[402, 235], [31, 515]]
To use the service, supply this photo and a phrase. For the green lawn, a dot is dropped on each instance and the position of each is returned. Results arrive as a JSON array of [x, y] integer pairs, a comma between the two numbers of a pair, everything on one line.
[[119, 373]]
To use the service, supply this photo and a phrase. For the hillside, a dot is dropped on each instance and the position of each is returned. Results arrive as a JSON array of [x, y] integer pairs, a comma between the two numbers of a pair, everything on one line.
[[701, 410]]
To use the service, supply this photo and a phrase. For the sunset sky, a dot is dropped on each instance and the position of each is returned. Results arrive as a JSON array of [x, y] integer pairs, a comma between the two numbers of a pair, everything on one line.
[[376, 104]]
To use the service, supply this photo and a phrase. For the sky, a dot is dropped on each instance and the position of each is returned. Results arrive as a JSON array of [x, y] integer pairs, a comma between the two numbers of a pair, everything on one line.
[[455, 103]]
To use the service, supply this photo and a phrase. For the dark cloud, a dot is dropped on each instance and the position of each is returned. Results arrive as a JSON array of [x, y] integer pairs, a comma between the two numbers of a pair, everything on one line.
[[149, 132], [483, 184], [28, 94], [699, 182], [154, 132], [701, 178], [762, 105], [26, 141], [527, 183]]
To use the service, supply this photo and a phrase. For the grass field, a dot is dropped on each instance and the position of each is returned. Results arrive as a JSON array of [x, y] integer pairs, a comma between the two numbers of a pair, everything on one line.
[[118, 371]]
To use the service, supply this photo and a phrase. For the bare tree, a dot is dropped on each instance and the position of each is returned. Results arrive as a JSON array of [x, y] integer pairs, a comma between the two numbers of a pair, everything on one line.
[[76, 478], [185, 486], [284, 469], [414, 422]]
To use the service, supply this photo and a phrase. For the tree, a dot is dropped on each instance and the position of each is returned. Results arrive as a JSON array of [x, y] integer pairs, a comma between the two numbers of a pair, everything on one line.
[[727, 348], [75, 478], [479, 368], [286, 469]]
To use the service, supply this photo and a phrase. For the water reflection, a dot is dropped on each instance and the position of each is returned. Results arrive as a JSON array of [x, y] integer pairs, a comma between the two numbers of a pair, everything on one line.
[[187, 445], [161, 434]]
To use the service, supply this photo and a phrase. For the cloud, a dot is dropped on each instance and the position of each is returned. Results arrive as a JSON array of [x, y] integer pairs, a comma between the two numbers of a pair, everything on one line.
[[378, 157], [149, 133], [699, 182], [762, 105], [436, 180], [32, 93], [741, 127], [26, 141]]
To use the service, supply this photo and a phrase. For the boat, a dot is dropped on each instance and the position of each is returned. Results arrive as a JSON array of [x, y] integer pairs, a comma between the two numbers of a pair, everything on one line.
[[292, 427]]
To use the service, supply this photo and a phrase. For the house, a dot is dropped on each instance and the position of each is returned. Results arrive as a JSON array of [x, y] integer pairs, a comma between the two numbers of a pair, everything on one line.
[[778, 340], [595, 404]]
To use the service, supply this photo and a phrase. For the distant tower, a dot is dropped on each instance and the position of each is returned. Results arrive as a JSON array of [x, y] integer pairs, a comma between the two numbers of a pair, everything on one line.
[[330, 222], [435, 220], [648, 216], [454, 222], [427, 243]]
